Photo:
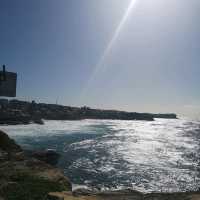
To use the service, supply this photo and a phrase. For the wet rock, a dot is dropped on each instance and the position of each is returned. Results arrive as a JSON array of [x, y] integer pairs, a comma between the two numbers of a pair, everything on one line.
[[49, 156], [38, 121], [82, 191]]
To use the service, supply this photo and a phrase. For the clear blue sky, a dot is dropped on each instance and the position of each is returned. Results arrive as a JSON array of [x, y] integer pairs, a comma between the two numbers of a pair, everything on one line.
[[65, 49]]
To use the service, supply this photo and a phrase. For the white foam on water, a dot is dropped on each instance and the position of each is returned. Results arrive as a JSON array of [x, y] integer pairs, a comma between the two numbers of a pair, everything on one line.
[[162, 155]]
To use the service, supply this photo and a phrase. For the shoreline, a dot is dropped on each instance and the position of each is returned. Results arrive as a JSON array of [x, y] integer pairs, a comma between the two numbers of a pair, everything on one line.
[[15, 112]]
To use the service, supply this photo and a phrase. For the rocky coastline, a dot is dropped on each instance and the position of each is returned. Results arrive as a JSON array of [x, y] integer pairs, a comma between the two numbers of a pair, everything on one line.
[[31, 176], [13, 112]]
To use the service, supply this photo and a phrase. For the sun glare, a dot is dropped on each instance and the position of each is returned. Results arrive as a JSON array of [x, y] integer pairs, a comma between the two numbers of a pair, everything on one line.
[[101, 63]]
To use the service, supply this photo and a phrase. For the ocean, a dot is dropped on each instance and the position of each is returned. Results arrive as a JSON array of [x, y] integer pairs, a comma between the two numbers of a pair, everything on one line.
[[162, 155]]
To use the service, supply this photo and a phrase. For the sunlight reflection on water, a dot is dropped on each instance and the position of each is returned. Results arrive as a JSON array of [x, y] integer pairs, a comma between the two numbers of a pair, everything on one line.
[[162, 155]]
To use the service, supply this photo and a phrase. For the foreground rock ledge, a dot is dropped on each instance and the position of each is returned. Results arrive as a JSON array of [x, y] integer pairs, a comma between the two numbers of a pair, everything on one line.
[[26, 178], [124, 195]]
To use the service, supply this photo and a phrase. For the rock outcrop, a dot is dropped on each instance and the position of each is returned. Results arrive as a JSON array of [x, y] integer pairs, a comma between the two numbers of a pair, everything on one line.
[[124, 195], [49, 156], [7, 144], [26, 178]]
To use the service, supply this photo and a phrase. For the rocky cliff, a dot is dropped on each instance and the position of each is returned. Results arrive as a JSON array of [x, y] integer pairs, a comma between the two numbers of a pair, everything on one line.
[[22, 112]]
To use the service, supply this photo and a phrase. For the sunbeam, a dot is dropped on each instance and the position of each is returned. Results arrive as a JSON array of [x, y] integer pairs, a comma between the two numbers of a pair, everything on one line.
[[110, 45]]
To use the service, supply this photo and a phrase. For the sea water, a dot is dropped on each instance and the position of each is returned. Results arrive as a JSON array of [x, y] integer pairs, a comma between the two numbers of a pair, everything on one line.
[[162, 155]]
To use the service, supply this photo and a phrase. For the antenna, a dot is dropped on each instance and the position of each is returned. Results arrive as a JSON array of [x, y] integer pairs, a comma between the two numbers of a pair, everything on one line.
[[57, 101], [3, 74], [8, 83]]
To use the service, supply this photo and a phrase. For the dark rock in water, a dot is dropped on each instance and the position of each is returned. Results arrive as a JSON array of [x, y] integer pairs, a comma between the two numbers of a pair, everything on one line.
[[38, 121], [49, 156], [7, 144], [82, 191]]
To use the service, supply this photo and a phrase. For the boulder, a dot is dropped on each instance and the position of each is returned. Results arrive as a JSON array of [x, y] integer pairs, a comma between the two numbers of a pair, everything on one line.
[[7, 144], [49, 156], [82, 191], [38, 121]]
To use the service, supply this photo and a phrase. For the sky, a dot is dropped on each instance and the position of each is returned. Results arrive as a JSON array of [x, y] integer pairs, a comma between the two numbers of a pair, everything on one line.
[[134, 55]]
